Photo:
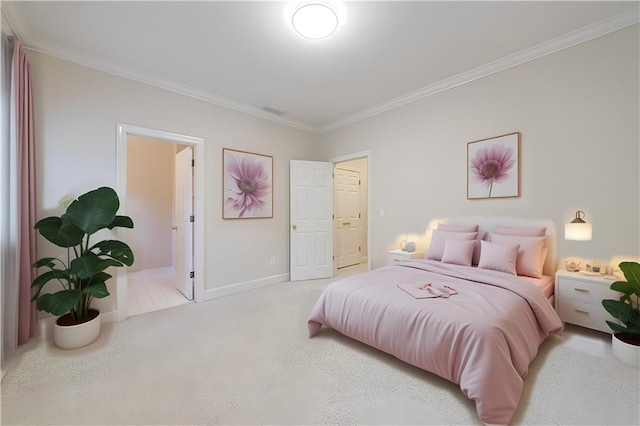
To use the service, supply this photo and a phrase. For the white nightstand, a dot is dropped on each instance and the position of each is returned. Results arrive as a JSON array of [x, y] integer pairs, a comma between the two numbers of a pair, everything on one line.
[[396, 255], [579, 299]]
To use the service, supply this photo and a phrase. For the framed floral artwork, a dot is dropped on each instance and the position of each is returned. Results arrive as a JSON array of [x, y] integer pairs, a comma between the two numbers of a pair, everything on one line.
[[493, 167], [247, 185]]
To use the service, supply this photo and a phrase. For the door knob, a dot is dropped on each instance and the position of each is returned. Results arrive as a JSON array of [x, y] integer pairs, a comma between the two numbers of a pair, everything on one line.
[[346, 223], [294, 227], [174, 228]]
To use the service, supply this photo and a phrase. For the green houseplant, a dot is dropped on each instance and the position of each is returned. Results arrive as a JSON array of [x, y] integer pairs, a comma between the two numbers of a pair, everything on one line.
[[626, 336], [82, 273]]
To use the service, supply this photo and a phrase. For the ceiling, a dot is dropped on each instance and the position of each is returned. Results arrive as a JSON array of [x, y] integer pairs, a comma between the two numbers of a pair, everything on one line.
[[244, 55]]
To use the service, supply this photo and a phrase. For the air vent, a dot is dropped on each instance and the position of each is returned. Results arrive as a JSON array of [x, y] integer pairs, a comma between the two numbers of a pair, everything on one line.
[[273, 110]]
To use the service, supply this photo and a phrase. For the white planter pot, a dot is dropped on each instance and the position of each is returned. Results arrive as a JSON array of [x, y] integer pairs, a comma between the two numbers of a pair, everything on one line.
[[76, 336], [624, 352]]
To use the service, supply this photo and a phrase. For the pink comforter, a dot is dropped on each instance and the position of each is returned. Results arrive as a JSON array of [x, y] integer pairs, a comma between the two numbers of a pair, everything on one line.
[[482, 338]]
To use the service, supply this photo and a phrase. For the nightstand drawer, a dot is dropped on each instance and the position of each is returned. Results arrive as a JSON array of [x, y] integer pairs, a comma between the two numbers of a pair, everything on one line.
[[585, 291], [587, 315]]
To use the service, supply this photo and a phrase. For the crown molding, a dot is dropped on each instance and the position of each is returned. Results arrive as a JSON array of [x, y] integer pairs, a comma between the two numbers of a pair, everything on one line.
[[615, 23], [598, 29]]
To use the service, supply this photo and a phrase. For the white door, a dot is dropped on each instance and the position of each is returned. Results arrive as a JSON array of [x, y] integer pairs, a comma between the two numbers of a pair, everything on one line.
[[183, 205], [347, 217], [311, 231]]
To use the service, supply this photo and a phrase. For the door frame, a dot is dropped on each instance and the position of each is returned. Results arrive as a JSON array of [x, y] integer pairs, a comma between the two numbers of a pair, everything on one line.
[[122, 132], [355, 156]]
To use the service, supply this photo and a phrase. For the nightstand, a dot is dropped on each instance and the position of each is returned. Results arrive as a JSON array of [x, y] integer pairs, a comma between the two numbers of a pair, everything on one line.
[[579, 299], [397, 255]]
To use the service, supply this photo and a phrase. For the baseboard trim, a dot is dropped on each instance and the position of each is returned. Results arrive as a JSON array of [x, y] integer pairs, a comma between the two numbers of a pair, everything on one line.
[[228, 290]]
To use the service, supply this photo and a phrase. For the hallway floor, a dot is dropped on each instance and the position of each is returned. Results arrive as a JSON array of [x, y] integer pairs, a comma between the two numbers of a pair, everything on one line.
[[151, 290]]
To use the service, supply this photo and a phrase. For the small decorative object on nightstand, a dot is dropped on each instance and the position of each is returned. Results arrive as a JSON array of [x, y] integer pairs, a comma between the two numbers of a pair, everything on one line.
[[394, 256], [579, 299]]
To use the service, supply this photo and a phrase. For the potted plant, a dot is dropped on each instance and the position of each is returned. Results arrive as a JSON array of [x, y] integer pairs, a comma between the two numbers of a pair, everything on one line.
[[81, 274], [626, 336]]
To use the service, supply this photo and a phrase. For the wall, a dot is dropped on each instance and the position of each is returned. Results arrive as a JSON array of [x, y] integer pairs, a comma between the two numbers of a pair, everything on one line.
[[77, 109], [577, 111], [150, 176]]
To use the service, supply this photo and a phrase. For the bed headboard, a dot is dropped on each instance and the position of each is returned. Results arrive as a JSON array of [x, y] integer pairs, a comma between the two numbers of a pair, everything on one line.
[[488, 224]]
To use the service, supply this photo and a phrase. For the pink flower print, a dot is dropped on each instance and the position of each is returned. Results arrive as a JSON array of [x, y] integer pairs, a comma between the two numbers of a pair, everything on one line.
[[249, 185], [490, 165]]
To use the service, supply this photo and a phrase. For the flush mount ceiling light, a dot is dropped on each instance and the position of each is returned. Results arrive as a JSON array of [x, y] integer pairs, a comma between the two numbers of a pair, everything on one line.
[[315, 20]]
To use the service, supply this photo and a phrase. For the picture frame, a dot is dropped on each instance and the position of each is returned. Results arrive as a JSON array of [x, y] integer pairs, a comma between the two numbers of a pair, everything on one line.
[[247, 185], [493, 167]]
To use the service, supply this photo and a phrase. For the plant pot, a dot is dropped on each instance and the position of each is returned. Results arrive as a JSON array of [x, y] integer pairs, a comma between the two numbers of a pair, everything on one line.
[[76, 335], [625, 352]]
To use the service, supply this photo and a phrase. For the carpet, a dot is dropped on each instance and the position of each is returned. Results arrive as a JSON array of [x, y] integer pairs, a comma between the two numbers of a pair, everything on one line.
[[247, 359]]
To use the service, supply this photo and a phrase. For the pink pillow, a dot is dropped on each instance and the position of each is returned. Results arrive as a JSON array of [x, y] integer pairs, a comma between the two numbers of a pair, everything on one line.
[[457, 228], [523, 232], [436, 248], [498, 257], [458, 252], [530, 255]]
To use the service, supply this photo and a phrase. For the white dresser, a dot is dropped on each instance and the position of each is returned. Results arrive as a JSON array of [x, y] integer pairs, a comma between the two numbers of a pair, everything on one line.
[[579, 299], [396, 255]]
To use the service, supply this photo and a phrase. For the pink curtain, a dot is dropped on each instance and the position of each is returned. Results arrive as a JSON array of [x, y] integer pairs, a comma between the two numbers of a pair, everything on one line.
[[25, 149]]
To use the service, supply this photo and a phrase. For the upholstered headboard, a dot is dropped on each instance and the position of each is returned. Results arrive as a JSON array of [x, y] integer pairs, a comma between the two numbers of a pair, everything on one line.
[[488, 224]]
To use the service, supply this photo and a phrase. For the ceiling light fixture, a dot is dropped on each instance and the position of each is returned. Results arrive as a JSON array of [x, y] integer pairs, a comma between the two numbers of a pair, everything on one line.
[[315, 20]]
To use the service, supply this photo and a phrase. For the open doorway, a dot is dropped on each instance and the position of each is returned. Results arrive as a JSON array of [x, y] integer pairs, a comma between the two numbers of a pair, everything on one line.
[[161, 185], [159, 191]]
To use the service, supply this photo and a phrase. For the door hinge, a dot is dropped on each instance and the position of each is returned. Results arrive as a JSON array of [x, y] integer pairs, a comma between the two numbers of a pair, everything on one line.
[[333, 258], [192, 218], [192, 274], [193, 163], [359, 182], [359, 217], [333, 216]]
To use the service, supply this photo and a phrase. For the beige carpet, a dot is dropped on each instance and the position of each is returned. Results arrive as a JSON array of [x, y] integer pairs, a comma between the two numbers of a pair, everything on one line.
[[246, 359]]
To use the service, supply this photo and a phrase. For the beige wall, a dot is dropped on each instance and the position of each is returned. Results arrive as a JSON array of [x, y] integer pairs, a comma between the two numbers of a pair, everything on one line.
[[150, 175], [578, 113], [76, 110]]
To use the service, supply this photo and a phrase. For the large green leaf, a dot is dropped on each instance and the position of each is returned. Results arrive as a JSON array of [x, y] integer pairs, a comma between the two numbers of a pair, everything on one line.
[[42, 279], [63, 236], [115, 249], [97, 289], [620, 310], [94, 210], [122, 222], [89, 264], [631, 272], [59, 303], [617, 328], [96, 278], [45, 261]]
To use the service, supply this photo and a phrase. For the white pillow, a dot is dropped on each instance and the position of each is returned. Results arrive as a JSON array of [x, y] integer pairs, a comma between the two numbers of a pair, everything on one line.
[[498, 257], [436, 247], [458, 252], [530, 259]]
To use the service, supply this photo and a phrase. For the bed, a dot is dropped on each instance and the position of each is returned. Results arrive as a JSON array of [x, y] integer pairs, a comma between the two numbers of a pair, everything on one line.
[[482, 338]]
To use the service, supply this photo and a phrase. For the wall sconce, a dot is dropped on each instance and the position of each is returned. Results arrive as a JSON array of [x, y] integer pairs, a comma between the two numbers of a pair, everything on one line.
[[578, 229]]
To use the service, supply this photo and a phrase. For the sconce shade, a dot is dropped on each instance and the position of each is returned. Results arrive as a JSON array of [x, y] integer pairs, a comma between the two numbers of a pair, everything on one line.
[[578, 229]]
